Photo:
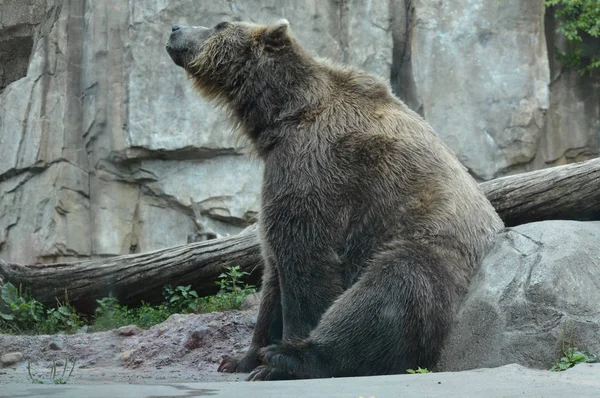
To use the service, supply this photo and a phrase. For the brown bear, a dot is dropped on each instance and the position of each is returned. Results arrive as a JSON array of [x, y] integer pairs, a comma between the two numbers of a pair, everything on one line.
[[370, 227]]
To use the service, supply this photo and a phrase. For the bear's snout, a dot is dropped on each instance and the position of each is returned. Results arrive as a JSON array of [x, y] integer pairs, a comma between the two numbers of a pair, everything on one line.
[[185, 42]]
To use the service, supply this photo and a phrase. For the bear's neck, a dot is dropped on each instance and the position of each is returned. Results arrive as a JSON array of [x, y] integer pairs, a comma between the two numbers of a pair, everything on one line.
[[278, 102]]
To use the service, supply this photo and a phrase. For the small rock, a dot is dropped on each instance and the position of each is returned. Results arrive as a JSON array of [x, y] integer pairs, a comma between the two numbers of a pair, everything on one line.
[[130, 330], [198, 337], [56, 344], [87, 364], [251, 321], [82, 330], [126, 355], [214, 324], [251, 302], [11, 358], [161, 330]]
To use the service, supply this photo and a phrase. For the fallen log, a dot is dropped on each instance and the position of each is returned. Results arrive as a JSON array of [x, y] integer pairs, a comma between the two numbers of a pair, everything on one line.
[[138, 277], [569, 192]]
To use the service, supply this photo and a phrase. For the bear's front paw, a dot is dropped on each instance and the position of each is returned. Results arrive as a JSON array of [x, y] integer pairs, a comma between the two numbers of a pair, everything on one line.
[[228, 365], [239, 364], [264, 372], [285, 361]]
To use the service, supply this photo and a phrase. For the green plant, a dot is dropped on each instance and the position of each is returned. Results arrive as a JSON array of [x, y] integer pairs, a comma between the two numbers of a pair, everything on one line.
[[572, 357], [147, 315], [577, 19], [181, 299], [111, 315], [63, 318], [419, 370], [232, 289], [566, 356], [18, 311], [55, 380]]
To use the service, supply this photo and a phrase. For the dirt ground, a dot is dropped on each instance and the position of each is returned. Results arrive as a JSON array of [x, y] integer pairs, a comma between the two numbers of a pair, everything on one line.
[[183, 348]]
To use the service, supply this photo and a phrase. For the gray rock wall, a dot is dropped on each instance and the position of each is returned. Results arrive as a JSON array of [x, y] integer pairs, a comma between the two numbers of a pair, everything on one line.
[[104, 146], [480, 77]]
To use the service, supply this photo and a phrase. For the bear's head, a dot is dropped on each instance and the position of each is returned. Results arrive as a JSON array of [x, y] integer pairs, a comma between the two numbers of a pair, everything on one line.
[[223, 59]]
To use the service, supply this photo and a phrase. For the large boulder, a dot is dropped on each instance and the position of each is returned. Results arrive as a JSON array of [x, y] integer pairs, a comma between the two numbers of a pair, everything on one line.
[[539, 286]]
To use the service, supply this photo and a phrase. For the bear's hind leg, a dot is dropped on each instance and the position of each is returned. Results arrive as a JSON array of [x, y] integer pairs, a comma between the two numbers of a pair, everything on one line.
[[394, 318]]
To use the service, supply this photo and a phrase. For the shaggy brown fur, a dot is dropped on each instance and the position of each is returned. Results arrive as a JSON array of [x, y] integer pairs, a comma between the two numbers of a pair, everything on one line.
[[371, 228]]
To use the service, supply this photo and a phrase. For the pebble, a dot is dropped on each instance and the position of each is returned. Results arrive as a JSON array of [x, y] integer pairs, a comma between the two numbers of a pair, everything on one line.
[[251, 321], [251, 302], [198, 337], [161, 330], [130, 330], [11, 358], [56, 344], [126, 355]]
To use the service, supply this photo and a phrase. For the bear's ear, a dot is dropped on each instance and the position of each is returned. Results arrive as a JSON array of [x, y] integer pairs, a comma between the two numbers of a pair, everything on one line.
[[280, 27], [276, 35]]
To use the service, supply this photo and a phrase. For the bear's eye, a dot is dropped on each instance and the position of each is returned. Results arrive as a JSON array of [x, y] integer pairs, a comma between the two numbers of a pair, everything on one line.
[[221, 26]]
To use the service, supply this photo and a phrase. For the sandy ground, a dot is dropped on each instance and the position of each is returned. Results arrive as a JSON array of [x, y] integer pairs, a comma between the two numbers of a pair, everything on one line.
[[183, 348]]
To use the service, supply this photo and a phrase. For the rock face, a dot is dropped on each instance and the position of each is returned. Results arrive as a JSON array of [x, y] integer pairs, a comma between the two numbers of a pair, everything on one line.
[[538, 278], [21, 24], [105, 149], [480, 77], [568, 138]]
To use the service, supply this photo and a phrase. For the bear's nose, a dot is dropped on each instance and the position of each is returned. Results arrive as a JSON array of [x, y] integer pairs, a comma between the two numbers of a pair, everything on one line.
[[175, 28]]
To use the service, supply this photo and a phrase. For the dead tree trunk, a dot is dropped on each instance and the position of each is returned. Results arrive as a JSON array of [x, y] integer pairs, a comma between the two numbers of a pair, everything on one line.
[[570, 192], [136, 277]]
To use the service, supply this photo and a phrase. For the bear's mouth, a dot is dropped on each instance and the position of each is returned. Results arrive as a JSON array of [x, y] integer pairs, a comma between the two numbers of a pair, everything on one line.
[[177, 55]]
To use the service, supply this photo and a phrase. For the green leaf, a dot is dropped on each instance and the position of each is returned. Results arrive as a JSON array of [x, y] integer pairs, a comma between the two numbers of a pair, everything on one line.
[[7, 317], [64, 310], [578, 356], [590, 358], [564, 365]]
